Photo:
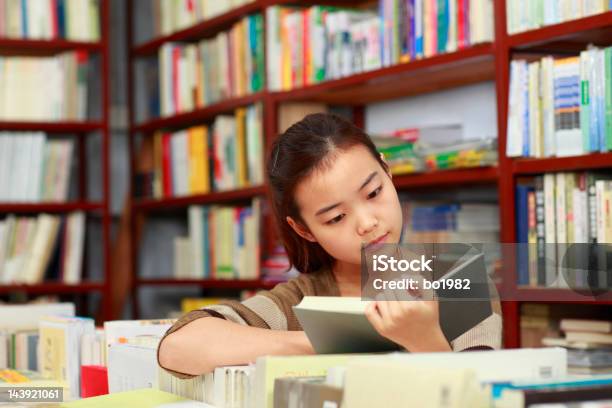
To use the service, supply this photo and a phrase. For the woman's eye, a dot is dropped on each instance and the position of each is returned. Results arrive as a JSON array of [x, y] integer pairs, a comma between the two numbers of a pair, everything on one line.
[[375, 192], [335, 220]]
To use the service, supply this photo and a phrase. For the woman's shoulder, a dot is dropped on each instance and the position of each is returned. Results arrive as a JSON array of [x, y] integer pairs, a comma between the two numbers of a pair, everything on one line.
[[318, 283]]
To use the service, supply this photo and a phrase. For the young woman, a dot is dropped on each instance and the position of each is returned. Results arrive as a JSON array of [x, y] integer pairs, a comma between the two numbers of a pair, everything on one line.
[[331, 193]]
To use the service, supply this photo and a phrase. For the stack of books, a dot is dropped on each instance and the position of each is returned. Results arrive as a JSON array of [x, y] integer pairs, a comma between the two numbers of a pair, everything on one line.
[[44, 88], [48, 247], [225, 156], [310, 45], [34, 168], [50, 19], [432, 148], [230, 65], [523, 15], [555, 211], [561, 107], [589, 344], [223, 243]]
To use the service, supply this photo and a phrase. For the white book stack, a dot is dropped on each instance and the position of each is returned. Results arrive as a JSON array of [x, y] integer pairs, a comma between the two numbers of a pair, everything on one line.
[[60, 349]]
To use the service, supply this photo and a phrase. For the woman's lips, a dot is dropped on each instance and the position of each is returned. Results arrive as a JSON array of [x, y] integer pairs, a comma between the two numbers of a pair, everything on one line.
[[377, 242]]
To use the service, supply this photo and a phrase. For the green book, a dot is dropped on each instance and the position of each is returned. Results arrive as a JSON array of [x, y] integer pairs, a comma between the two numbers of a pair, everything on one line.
[[143, 398], [608, 92], [585, 101]]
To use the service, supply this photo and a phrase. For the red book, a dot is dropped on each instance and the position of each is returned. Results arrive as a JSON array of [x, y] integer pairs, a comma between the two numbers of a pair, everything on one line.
[[461, 9], [166, 165], [54, 18], [176, 85], [94, 381]]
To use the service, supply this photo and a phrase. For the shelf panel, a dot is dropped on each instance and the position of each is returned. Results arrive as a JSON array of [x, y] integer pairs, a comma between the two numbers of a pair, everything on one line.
[[570, 36], [52, 288], [210, 283], [470, 65], [49, 207], [23, 47], [211, 198], [556, 164], [52, 127], [536, 295], [198, 116], [201, 30], [478, 175]]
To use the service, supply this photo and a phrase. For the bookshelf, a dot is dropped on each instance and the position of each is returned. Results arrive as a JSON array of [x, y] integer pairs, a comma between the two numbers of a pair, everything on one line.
[[477, 63], [79, 131]]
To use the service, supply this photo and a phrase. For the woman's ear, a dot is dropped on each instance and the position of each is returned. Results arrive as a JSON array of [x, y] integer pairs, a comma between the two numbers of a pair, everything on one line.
[[300, 230], [382, 157]]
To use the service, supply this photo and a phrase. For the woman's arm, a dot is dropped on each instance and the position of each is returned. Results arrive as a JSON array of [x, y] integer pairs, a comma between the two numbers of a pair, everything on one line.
[[206, 343]]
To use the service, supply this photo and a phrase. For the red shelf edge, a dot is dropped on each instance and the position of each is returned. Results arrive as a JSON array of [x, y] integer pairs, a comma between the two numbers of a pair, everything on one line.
[[51, 207], [557, 164], [475, 175], [201, 114], [55, 45], [51, 126], [214, 197], [211, 283], [52, 287], [560, 30]]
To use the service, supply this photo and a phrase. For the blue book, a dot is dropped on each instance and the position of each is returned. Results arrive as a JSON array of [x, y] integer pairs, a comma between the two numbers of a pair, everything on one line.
[[61, 19], [24, 19], [522, 233], [418, 28], [497, 388]]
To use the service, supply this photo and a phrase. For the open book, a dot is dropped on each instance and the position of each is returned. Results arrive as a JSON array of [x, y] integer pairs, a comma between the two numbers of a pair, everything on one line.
[[339, 324]]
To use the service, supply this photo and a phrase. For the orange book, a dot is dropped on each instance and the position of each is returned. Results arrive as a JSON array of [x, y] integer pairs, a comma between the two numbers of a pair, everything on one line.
[[198, 165], [242, 178]]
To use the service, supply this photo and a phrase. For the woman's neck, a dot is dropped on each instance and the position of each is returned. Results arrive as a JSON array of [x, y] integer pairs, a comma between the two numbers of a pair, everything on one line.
[[348, 278]]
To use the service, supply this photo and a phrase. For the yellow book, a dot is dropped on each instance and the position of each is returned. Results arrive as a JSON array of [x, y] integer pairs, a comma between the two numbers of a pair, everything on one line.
[[189, 304], [198, 160], [242, 178]]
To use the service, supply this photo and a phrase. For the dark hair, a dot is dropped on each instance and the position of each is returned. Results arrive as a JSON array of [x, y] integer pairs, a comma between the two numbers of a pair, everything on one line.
[[308, 145]]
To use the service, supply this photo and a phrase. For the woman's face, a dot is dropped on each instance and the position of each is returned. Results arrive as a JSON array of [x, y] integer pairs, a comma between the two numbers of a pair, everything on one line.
[[350, 203]]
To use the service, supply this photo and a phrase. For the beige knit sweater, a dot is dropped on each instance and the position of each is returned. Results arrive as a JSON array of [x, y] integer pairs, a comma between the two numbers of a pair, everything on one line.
[[273, 310]]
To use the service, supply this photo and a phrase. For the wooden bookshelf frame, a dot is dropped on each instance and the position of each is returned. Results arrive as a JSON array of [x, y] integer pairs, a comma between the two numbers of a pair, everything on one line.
[[80, 130], [482, 62]]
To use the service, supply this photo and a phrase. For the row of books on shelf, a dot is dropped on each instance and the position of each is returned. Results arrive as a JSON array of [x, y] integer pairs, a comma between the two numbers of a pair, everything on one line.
[[309, 45], [553, 211], [75, 20], [523, 15], [225, 156], [415, 150], [44, 88], [34, 168], [170, 16], [42, 248], [223, 243], [229, 65], [561, 107]]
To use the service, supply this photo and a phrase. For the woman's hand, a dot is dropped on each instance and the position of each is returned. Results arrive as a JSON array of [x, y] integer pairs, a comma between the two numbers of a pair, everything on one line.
[[413, 324]]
